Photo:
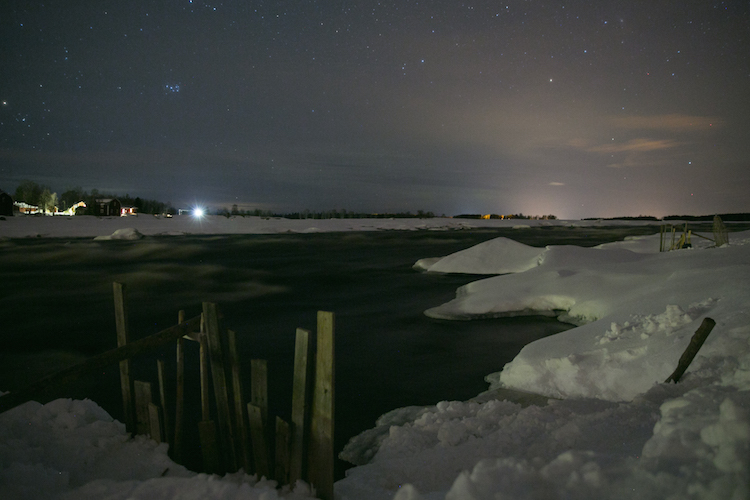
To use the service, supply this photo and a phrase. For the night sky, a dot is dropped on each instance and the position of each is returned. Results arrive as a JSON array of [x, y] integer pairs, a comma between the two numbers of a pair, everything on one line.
[[578, 109]]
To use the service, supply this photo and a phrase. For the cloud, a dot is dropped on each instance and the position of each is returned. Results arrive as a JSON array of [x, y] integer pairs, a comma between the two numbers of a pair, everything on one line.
[[673, 122], [635, 145], [556, 183]]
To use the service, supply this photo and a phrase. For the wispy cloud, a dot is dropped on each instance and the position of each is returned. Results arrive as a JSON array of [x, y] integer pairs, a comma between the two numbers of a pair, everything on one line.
[[556, 183], [673, 122], [635, 145]]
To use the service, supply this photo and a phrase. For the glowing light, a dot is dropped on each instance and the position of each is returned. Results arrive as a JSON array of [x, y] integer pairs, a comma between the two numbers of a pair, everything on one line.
[[198, 212]]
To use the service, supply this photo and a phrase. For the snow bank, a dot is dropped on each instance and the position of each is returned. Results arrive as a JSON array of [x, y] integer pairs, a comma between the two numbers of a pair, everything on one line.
[[619, 432], [638, 312], [74, 450], [673, 442]]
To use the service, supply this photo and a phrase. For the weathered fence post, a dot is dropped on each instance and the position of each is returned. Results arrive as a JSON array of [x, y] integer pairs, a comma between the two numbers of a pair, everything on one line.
[[259, 418], [281, 458], [692, 349], [243, 448], [218, 373], [258, 436], [301, 396], [179, 406], [142, 399], [155, 416], [166, 435], [321, 454], [259, 385], [207, 427], [121, 323], [721, 235]]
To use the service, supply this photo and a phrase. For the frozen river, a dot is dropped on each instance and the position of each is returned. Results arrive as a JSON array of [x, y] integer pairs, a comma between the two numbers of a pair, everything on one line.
[[57, 309]]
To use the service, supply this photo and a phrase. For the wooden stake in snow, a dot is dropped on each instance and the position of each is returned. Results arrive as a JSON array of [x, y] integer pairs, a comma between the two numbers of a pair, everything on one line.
[[121, 321], [692, 349], [320, 450]]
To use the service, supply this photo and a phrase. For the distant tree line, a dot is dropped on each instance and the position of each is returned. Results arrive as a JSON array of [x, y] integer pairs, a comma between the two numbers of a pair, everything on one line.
[[638, 217], [511, 216], [327, 214], [42, 196], [736, 217]]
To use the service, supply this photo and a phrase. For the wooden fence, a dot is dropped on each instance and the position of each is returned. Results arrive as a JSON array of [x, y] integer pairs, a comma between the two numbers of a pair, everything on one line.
[[238, 434], [669, 240]]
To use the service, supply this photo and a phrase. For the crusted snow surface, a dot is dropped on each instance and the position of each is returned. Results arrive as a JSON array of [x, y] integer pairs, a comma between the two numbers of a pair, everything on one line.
[[496, 256], [71, 449]]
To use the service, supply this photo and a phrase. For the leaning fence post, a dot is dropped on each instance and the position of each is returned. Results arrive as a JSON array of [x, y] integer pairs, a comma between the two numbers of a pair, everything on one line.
[[121, 322], [696, 342], [179, 407], [243, 448], [259, 402], [207, 427], [721, 235], [216, 355], [166, 435], [301, 393], [321, 455]]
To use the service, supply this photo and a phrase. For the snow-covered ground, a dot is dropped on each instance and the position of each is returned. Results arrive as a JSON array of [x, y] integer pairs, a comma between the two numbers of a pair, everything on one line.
[[149, 225], [616, 431]]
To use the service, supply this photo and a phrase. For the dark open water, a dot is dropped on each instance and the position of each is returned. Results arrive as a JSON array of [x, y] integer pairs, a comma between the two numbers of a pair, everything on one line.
[[56, 298]]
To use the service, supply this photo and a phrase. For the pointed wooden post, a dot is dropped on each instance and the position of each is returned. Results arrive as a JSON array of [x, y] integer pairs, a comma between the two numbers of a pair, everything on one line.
[[216, 356], [121, 322], [301, 396], [321, 455]]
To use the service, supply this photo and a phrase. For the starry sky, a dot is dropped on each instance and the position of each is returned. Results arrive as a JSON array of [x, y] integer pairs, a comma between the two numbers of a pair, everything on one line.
[[578, 109]]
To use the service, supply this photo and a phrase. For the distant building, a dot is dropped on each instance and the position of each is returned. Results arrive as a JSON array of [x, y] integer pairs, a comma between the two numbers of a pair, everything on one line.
[[26, 209], [128, 211], [6, 204], [105, 207]]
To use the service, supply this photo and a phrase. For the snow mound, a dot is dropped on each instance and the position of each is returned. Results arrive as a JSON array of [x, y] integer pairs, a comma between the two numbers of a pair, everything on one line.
[[72, 449], [637, 313], [127, 233], [496, 256]]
